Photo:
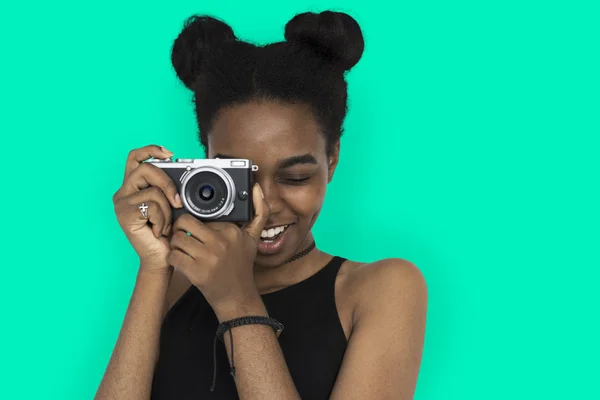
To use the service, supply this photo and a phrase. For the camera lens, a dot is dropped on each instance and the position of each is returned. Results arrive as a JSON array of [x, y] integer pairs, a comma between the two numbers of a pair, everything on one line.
[[208, 193]]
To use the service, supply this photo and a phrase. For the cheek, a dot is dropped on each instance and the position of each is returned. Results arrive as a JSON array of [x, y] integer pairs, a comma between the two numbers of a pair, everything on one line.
[[305, 201]]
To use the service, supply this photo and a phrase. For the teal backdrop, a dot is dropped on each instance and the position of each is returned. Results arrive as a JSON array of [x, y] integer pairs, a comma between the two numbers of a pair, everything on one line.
[[471, 149]]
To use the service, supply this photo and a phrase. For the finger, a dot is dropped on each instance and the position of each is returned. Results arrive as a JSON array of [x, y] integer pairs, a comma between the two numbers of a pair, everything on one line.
[[147, 175], [225, 230], [186, 223], [137, 156], [261, 213], [220, 225], [156, 195], [187, 244], [131, 217], [180, 260], [156, 218]]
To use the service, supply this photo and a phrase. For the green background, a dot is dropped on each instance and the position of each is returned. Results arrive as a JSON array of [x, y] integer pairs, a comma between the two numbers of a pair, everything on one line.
[[471, 149]]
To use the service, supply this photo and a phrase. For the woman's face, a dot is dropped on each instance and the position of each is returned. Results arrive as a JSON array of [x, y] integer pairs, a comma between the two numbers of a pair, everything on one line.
[[294, 169]]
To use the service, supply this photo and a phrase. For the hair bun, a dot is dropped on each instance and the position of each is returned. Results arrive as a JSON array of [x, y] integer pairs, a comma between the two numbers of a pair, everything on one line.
[[200, 36], [335, 36]]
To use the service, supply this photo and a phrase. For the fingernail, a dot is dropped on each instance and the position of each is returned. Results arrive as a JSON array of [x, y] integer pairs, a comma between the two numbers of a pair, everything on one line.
[[262, 195], [178, 200], [164, 150]]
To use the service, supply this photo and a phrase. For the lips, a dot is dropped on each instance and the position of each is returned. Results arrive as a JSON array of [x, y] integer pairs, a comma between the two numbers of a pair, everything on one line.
[[273, 233], [272, 241]]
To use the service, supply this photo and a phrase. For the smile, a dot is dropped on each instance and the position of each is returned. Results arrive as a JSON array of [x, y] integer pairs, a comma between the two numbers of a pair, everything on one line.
[[272, 233]]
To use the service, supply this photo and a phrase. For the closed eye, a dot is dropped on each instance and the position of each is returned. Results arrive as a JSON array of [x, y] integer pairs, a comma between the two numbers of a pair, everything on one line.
[[296, 180]]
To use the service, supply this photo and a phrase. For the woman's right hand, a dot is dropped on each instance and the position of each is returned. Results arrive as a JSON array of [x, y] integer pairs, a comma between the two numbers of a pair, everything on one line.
[[147, 183]]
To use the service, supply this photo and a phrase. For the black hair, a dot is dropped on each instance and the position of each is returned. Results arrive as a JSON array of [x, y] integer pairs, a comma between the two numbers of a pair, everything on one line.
[[307, 68]]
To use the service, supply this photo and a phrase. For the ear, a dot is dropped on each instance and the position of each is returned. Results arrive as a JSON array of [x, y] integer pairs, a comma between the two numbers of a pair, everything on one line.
[[334, 157]]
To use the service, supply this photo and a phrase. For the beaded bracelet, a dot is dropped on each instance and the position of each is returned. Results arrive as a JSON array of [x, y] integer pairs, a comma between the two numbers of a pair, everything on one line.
[[228, 325]]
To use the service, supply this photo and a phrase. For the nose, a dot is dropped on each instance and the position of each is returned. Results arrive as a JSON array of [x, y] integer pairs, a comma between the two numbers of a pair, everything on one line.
[[272, 196]]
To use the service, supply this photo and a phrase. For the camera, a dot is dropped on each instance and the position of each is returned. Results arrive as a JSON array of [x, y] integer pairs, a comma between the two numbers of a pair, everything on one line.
[[212, 189]]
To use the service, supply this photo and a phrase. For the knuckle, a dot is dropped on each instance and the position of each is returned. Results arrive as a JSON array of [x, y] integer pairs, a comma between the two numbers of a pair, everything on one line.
[[185, 217], [117, 208], [221, 247], [178, 221], [212, 258], [120, 206], [177, 236], [170, 185], [225, 240], [145, 168], [154, 207], [224, 227], [233, 233], [154, 192], [116, 196]]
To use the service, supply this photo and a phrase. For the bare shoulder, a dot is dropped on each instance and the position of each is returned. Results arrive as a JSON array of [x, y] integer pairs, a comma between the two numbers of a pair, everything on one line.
[[391, 273], [385, 345], [387, 283]]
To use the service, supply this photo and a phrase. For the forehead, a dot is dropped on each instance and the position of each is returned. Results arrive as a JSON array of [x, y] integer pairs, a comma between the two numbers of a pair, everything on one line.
[[266, 131]]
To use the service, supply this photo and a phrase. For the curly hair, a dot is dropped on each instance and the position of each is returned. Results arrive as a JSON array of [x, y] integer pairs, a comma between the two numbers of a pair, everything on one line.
[[307, 68]]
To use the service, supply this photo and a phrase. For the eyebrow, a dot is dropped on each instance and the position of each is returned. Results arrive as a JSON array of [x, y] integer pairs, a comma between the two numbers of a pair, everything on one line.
[[287, 162]]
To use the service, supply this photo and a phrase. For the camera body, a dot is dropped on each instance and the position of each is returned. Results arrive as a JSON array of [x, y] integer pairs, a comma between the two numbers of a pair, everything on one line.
[[212, 189]]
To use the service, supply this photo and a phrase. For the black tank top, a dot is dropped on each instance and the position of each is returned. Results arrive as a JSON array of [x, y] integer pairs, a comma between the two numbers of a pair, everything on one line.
[[313, 342]]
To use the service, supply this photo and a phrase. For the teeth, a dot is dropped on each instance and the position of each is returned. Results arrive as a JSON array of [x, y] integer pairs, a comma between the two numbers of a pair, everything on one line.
[[270, 233]]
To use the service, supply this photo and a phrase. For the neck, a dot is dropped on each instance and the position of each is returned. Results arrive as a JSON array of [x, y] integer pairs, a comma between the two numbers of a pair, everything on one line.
[[270, 279]]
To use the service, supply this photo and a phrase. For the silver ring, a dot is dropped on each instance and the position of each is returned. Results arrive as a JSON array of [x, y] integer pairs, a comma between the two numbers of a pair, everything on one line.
[[144, 210]]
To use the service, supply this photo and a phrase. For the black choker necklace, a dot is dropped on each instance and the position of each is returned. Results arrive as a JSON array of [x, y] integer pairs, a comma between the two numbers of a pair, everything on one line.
[[302, 253]]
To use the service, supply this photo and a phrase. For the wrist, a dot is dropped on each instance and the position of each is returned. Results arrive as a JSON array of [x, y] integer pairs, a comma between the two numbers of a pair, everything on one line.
[[156, 267], [241, 308], [147, 272]]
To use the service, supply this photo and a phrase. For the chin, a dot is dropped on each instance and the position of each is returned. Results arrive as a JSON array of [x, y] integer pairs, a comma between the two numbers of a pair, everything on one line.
[[276, 252], [271, 260]]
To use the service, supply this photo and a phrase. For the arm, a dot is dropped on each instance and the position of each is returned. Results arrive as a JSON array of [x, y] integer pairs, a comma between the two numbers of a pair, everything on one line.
[[261, 371], [131, 367], [383, 357], [218, 258], [384, 352]]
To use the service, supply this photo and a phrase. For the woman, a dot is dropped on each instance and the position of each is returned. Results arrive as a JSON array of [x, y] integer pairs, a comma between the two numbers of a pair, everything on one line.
[[352, 330]]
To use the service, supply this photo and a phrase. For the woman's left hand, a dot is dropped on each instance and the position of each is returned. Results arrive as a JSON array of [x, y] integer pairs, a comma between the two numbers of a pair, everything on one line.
[[218, 257]]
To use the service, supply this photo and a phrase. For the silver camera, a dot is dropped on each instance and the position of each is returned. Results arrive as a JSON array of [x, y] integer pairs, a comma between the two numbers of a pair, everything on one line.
[[212, 189]]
